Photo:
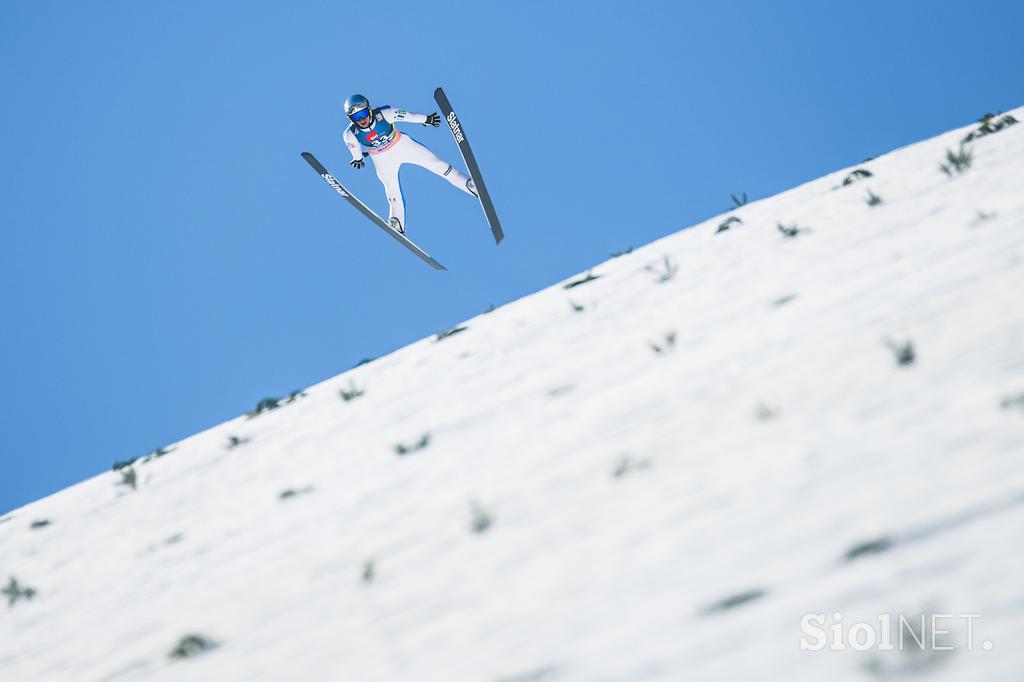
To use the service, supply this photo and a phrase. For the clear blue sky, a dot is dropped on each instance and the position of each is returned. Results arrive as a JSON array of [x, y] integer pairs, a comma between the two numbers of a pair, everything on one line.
[[168, 259]]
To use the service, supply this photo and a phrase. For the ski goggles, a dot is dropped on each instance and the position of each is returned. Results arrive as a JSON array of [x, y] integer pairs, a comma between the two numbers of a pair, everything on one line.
[[359, 115]]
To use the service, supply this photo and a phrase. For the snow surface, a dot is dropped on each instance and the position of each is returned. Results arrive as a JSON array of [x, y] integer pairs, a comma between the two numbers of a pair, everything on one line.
[[663, 514]]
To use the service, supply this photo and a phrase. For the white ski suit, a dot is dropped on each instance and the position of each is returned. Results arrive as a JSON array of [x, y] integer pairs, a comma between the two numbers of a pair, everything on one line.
[[389, 149]]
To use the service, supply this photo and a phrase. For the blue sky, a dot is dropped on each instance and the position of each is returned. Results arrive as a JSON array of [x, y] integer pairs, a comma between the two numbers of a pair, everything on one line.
[[168, 259]]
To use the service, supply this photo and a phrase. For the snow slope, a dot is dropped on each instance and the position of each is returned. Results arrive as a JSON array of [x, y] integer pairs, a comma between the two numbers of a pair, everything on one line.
[[656, 510]]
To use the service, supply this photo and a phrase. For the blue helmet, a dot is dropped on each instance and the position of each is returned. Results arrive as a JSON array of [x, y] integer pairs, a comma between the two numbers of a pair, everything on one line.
[[355, 104]]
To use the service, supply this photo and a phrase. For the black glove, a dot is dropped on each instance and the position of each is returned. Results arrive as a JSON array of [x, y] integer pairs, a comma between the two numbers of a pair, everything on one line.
[[357, 163], [432, 120]]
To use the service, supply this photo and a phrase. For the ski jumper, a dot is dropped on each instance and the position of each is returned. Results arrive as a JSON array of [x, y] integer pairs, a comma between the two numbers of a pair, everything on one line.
[[389, 149]]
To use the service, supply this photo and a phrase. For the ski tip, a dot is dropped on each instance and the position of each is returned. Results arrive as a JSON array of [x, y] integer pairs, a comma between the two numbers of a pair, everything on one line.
[[438, 90]]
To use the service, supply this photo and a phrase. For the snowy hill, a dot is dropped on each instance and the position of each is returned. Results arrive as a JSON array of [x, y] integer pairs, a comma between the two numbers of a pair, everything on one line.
[[656, 473]]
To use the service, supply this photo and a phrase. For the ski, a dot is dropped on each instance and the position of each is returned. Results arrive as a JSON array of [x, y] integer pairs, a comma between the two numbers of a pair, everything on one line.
[[467, 155], [376, 219]]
